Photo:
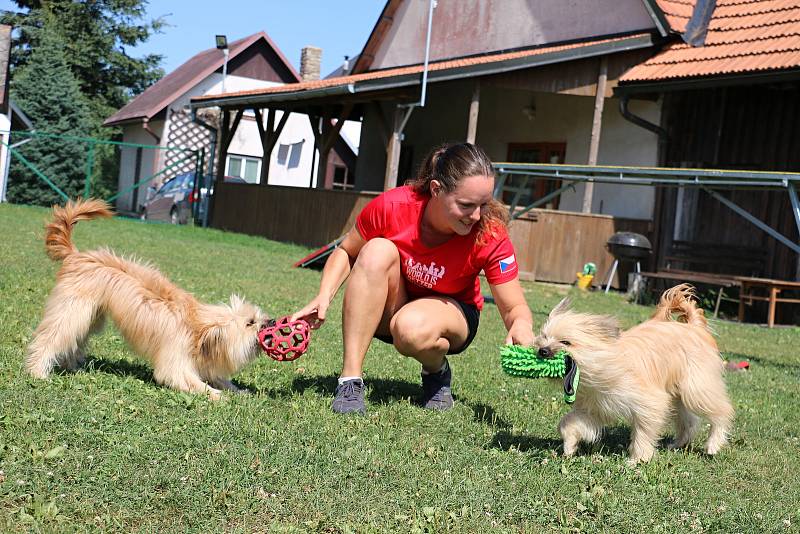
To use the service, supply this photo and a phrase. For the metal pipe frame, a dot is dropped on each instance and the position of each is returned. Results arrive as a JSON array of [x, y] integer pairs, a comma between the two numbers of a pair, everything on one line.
[[748, 216], [650, 176]]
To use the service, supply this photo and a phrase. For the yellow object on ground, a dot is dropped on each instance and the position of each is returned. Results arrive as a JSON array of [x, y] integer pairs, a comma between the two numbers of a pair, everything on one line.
[[584, 280]]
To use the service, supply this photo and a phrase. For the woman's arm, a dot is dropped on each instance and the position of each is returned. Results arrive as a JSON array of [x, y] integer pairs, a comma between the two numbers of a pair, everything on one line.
[[336, 271], [515, 312]]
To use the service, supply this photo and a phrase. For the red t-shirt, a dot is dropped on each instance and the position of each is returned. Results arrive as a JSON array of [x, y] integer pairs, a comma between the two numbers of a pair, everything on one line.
[[450, 269]]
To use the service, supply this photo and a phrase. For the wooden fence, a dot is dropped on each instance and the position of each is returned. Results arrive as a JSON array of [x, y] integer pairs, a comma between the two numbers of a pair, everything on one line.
[[551, 245]]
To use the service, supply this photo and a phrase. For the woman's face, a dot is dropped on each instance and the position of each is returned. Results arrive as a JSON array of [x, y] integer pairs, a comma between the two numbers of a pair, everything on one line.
[[460, 209]]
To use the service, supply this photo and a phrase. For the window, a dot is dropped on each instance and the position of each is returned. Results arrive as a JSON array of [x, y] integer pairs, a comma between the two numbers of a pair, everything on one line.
[[341, 178], [289, 155], [244, 167]]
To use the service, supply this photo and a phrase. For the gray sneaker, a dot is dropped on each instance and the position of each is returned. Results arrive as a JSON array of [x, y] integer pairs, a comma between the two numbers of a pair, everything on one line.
[[436, 393], [349, 397]]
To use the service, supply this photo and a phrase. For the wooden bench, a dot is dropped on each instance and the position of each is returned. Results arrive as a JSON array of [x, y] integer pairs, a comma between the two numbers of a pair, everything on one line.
[[751, 285], [722, 281]]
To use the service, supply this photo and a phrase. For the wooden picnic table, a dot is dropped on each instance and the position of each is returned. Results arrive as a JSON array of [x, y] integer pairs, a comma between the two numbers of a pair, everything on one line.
[[772, 288], [750, 288]]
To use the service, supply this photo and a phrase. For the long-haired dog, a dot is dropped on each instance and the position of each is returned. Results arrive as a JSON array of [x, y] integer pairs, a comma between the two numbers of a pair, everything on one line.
[[665, 368], [192, 346]]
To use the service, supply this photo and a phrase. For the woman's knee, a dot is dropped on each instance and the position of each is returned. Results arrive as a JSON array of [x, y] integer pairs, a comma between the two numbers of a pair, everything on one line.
[[413, 334], [377, 255]]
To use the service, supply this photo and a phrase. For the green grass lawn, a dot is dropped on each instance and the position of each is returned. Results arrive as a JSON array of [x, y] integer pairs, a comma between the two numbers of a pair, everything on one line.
[[106, 449]]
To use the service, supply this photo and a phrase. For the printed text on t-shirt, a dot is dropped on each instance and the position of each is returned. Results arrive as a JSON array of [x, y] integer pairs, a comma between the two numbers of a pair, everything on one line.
[[424, 275]]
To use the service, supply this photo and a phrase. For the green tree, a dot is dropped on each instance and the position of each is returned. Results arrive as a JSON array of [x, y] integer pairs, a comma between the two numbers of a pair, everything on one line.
[[96, 36], [51, 97]]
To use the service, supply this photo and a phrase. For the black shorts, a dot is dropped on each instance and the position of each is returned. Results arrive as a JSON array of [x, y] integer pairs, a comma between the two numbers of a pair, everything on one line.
[[473, 317]]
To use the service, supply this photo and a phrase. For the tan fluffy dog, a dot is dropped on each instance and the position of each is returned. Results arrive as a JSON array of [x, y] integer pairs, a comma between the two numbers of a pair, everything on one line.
[[193, 346], [659, 370]]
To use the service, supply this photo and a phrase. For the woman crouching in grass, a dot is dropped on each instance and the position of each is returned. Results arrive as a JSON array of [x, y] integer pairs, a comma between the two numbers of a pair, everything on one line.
[[412, 260]]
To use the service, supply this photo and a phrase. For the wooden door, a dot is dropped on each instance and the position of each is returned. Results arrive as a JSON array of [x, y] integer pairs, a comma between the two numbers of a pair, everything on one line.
[[538, 153]]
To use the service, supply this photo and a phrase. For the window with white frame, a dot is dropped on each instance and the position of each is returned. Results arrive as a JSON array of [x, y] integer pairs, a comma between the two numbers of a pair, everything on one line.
[[244, 167]]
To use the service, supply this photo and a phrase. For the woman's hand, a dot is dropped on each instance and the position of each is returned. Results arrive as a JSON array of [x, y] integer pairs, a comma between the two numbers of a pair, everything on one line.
[[314, 312], [520, 333]]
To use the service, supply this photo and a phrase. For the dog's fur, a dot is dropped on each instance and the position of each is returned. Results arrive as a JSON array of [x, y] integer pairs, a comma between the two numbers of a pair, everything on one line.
[[193, 347], [661, 369]]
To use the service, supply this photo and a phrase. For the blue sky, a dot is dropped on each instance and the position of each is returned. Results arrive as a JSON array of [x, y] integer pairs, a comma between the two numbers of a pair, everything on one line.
[[339, 27]]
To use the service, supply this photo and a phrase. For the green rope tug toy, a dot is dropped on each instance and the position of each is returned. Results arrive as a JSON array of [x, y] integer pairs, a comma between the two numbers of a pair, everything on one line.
[[525, 362]]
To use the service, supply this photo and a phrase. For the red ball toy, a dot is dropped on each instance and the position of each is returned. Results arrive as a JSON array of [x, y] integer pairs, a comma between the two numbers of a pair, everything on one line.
[[284, 340]]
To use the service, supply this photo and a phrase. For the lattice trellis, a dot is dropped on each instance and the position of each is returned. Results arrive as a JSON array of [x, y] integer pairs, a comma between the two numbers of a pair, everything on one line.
[[183, 133]]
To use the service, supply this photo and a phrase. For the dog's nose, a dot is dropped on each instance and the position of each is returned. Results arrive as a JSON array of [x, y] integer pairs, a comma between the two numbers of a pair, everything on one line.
[[545, 353], [267, 323]]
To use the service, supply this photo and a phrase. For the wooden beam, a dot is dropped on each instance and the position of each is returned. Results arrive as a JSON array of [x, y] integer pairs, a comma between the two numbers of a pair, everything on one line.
[[223, 144], [276, 132], [334, 131], [597, 122], [327, 137], [474, 105], [393, 152], [385, 130]]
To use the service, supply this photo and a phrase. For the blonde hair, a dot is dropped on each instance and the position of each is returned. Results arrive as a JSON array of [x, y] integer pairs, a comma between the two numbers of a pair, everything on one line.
[[448, 164]]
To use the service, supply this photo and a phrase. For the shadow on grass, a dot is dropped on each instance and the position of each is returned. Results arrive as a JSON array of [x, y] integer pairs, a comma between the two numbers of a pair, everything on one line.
[[120, 368], [379, 390], [136, 370], [613, 440]]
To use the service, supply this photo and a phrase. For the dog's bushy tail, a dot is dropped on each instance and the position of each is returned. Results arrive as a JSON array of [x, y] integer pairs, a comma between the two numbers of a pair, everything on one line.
[[58, 233], [679, 300]]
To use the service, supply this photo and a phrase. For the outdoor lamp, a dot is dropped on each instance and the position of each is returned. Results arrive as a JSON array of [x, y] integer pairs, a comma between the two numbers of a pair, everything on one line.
[[222, 44]]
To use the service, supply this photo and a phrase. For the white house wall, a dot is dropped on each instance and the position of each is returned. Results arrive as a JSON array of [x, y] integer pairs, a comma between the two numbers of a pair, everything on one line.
[[297, 133], [568, 119], [134, 133], [558, 118]]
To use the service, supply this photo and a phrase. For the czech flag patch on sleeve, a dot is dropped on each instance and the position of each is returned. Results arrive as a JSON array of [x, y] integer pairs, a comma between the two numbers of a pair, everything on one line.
[[508, 264]]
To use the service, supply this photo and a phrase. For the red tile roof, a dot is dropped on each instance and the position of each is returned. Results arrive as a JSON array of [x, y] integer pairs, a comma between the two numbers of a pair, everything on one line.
[[744, 36], [415, 69], [159, 95]]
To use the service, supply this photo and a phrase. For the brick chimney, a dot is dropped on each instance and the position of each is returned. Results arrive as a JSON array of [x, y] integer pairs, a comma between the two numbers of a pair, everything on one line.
[[310, 59]]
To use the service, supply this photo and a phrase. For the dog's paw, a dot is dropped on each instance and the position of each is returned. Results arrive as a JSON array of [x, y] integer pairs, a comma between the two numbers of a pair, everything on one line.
[[213, 394]]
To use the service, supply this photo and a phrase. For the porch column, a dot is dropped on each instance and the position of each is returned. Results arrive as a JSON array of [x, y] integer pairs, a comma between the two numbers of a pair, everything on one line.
[[594, 143], [393, 151], [472, 125], [326, 138], [269, 135], [227, 131]]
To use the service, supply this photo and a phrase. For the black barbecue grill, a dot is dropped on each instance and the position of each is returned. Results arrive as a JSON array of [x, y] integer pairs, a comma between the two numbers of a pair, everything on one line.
[[627, 246]]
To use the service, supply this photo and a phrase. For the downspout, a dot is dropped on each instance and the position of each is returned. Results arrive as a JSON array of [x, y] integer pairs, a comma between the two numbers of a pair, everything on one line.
[[647, 125], [660, 151], [423, 94], [212, 156], [146, 126]]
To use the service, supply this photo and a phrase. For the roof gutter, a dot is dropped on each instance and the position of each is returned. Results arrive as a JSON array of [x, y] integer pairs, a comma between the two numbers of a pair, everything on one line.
[[407, 80], [686, 84], [275, 97]]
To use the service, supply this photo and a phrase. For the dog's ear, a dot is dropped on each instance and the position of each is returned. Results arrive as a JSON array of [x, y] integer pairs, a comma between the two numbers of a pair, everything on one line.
[[210, 340], [604, 326], [561, 307], [236, 302]]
